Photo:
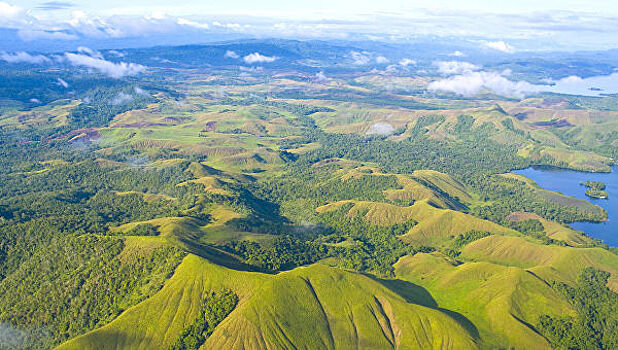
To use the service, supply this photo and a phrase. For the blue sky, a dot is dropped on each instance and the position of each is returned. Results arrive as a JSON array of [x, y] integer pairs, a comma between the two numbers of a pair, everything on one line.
[[342, 7], [521, 25]]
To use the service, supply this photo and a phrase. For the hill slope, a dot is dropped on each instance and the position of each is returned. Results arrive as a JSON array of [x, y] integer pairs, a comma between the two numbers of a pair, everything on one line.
[[503, 302], [313, 307]]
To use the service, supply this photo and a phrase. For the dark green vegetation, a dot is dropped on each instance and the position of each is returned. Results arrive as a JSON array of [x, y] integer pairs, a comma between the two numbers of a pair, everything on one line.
[[596, 323], [203, 210], [77, 283], [597, 194], [461, 240], [594, 185], [595, 189], [283, 253], [214, 308]]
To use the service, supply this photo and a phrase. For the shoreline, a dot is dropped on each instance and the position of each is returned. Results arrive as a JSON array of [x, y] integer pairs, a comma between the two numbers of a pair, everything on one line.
[[564, 181]]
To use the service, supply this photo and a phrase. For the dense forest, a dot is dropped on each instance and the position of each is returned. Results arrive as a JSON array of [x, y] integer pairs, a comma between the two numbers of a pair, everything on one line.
[[596, 324]]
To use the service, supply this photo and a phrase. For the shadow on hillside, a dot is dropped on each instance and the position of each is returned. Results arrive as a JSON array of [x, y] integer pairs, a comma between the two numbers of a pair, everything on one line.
[[463, 321], [217, 256], [411, 292], [415, 294]]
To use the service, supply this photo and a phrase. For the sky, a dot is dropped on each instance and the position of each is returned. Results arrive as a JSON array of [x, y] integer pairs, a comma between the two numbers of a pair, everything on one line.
[[341, 7], [521, 25]]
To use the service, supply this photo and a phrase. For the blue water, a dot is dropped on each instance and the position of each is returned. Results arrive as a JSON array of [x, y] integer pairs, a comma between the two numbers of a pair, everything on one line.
[[567, 182], [592, 86]]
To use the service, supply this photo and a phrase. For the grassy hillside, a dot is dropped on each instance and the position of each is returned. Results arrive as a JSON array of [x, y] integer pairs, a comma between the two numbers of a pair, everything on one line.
[[486, 303], [300, 308], [502, 302], [433, 226], [553, 229], [547, 261]]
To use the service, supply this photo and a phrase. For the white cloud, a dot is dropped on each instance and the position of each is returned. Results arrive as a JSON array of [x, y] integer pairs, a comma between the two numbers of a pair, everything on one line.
[[572, 79], [23, 57], [162, 60], [500, 46], [185, 22], [472, 83], [63, 83], [359, 58], [458, 54], [231, 54], [31, 34], [10, 11], [97, 27], [252, 69], [380, 128], [12, 337], [400, 66], [320, 77], [539, 30], [116, 53], [455, 67], [90, 52], [392, 68], [121, 98], [407, 62], [157, 15], [256, 57], [111, 69], [382, 60], [234, 26], [138, 90]]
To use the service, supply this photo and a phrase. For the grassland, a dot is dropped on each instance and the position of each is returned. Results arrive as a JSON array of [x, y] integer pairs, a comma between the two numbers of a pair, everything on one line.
[[550, 262], [297, 308], [501, 301], [434, 226], [553, 229]]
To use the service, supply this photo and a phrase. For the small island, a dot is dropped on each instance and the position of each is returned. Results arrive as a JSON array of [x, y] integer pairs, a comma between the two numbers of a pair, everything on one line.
[[595, 189]]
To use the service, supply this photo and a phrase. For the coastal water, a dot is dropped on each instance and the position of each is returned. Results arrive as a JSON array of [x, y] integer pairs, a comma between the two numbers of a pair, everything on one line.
[[567, 182]]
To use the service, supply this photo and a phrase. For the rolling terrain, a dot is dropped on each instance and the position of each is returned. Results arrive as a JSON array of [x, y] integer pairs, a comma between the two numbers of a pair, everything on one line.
[[201, 205]]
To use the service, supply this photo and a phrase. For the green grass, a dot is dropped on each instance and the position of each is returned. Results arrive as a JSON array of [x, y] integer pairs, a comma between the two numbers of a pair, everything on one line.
[[554, 230], [500, 301], [435, 227], [552, 263], [444, 183], [309, 307], [218, 233]]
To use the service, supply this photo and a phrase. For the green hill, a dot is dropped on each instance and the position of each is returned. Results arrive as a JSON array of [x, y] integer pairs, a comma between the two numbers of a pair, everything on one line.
[[434, 226], [548, 262], [314, 307], [501, 301]]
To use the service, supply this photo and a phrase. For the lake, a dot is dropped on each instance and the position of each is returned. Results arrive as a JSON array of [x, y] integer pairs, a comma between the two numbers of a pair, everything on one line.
[[567, 182], [591, 86]]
